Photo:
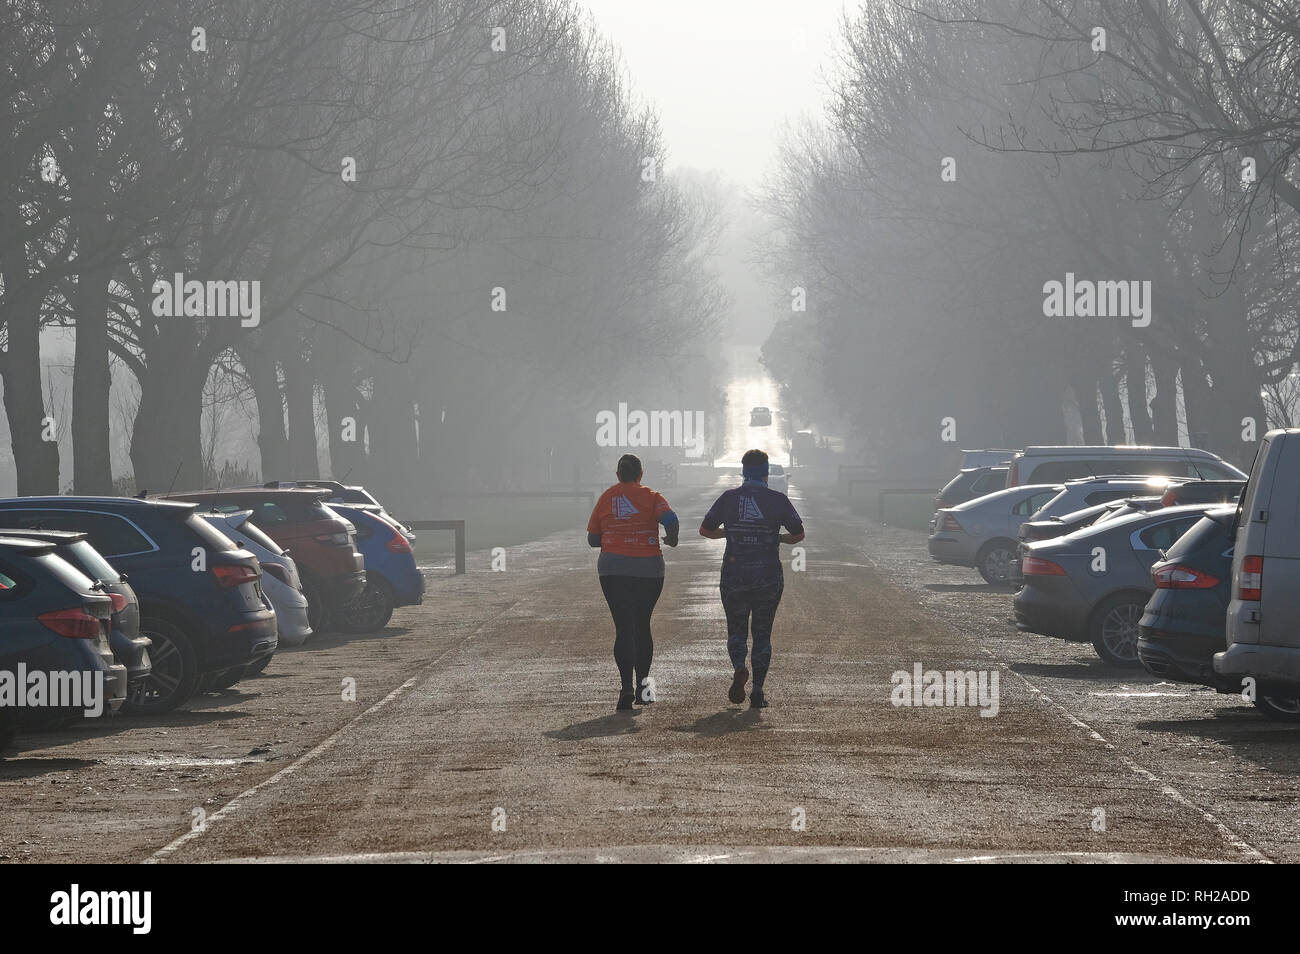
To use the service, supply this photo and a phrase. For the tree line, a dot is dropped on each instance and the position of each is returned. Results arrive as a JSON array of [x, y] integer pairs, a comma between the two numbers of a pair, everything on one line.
[[452, 214], [973, 153]]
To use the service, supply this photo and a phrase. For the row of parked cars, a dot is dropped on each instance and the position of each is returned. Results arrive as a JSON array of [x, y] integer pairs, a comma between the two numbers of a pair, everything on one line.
[[1162, 557], [186, 592]]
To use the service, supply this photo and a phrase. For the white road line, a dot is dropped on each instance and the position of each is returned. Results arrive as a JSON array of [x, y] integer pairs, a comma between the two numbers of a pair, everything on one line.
[[1224, 832], [233, 805]]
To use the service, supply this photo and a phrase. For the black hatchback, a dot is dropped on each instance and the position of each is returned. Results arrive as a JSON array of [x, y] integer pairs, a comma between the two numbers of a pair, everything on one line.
[[1183, 624]]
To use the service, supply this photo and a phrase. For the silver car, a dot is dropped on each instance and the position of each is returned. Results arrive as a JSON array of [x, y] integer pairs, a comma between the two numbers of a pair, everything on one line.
[[280, 580], [982, 532]]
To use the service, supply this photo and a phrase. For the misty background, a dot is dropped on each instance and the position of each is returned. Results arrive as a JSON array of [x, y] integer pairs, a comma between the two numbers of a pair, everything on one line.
[[560, 206]]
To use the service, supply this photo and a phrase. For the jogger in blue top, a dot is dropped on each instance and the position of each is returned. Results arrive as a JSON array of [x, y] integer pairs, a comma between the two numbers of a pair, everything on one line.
[[750, 517]]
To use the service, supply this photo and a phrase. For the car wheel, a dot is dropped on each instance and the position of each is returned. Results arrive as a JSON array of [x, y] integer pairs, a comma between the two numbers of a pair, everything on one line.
[[369, 612], [174, 677], [994, 561], [1279, 708], [7, 731], [258, 667], [315, 605], [1114, 630]]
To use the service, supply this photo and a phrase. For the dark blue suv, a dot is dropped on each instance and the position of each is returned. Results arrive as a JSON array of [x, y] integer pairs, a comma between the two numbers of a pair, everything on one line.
[[201, 601], [53, 621]]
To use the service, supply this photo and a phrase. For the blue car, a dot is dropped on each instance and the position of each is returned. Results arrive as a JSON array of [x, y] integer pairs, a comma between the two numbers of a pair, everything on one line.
[[201, 601], [392, 577], [54, 627]]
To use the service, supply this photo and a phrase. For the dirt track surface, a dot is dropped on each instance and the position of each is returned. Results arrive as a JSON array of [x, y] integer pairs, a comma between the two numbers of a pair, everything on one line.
[[495, 701]]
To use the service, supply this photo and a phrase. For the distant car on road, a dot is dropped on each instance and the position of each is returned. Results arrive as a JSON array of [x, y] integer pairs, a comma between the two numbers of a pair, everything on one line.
[[1093, 585], [982, 532], [760, 417], [777, 478]]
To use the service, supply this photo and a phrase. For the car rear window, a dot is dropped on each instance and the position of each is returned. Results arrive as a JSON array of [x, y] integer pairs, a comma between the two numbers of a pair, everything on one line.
[[64, 572], [1163, 535], [92, 563], [210, 536], [1204, 533], [14, 584], [1034, 503], [1207, 470], [1101, 496], [1058, 470], [250, 530], [108, 533]]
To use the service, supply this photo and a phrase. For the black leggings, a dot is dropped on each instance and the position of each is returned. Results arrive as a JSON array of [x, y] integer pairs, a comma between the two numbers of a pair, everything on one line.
[[631, 600]]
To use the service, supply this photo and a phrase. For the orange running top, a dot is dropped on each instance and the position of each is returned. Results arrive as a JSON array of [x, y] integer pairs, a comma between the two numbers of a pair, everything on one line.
[[627, 518]]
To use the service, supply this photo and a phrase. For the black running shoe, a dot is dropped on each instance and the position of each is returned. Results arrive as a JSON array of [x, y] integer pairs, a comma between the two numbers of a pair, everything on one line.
[[646, 694], [737, 691], [625, 699], [757, 700]]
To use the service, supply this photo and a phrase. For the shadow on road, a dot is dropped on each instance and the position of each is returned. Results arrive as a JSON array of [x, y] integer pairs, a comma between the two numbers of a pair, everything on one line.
[[1095, 671], [728, 720], [616, 723], [16, 768], [968, 587]]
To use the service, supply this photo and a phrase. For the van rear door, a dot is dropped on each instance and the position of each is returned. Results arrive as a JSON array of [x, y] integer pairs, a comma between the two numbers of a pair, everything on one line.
[[1279, 618], [1244, 617]]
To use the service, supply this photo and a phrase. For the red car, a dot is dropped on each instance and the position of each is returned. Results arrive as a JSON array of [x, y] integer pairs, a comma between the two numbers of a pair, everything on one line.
[[321, 542]]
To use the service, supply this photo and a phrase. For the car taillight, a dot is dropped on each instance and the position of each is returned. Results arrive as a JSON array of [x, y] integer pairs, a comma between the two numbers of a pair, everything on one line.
[[1252, 578], [1169, 498], [399, 544], [119, 602], [278, 571], [231, 576], [334, 539], [1037, 566], [72, 623], [948, 522], [1176, 577], [1013, 475]]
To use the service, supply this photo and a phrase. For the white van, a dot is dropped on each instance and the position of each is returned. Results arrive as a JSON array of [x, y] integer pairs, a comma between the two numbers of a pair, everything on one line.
[[1263, 625], [1053, 465]]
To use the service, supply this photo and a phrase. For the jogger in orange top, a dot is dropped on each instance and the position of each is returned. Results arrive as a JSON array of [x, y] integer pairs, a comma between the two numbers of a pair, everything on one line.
[[625, 525]]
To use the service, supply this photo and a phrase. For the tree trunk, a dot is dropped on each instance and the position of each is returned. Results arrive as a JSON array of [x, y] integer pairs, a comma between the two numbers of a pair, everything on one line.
[[342, 412], [1164, 405], [1110, 402], [299, 394], [166, 442], [1085, 395], [35, 459], [92, 467], [272, 442], [1135, 380]]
